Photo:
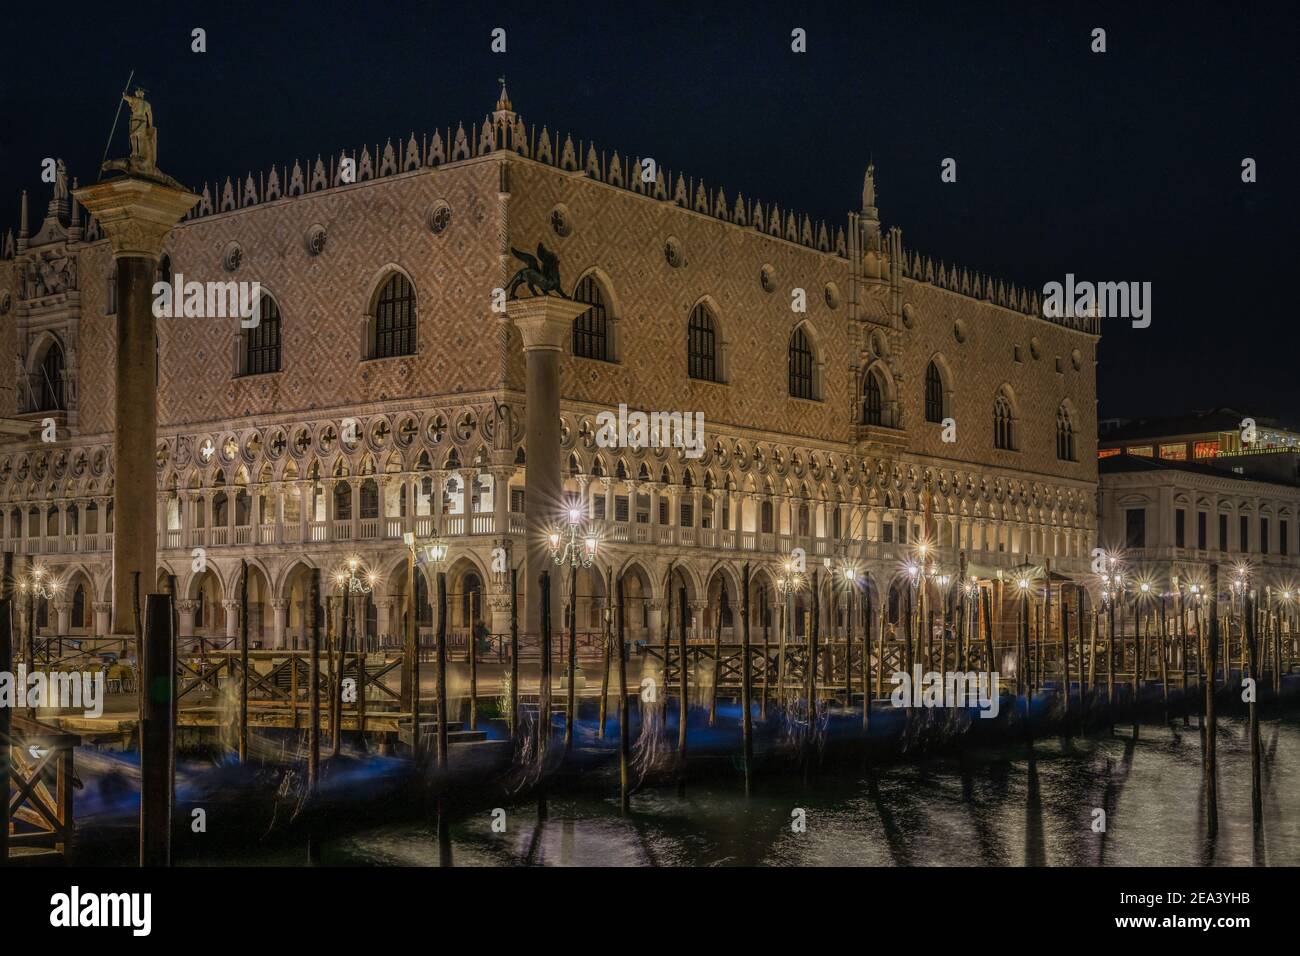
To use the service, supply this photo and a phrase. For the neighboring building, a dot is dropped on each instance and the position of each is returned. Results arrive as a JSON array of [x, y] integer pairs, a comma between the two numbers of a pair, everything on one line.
[[1222, 438], [824, 427], [1217, 486]]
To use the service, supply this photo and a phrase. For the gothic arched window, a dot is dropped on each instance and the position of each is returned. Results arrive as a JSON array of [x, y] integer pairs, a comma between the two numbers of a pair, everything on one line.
[[1064, 435], [933, 394], [1004, 424], [50, 394], [591, 329], [262, 341], [395, 318], [79, 606], [801, 366], [872, 401], [702, 346]]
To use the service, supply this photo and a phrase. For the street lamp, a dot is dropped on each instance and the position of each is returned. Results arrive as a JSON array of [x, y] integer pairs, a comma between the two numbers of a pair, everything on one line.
[[353, 580], [574, 554], [569, 551], [40, 582]]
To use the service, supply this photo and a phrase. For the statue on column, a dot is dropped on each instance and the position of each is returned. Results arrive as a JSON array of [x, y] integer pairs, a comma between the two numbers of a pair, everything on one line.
[[144, 143], [144, 135]]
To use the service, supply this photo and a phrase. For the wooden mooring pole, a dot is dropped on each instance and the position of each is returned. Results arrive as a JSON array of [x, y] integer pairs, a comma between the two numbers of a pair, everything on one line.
[[472, 641], [336, 745], [313, 688], [243, 661], [848, 644], [158, 675], [608, 634], [544, 688], [668, 640], [986, 600], [1164, 654], [412, 641], [332, 677], [514, 654], [1252, 649], [813, 635], [717, 657], [683, 702], [6, 723], [1211, 719], [1065, 655], [747, 741], [1182, 637], [866, 659], [440, 677], [571, 702], [624, 732], [1080, 596]]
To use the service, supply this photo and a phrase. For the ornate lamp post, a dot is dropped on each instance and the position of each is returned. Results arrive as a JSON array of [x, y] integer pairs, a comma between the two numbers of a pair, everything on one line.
[[40, 582], [435, 552], [567, 550], [351, 579], [788, 581]]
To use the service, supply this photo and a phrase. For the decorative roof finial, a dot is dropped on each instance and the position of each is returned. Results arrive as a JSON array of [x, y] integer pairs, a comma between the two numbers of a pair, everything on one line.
[[503, 101], [869, 189]]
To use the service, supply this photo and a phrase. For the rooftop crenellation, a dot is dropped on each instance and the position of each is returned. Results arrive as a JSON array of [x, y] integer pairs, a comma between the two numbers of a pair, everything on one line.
[[505, 130]]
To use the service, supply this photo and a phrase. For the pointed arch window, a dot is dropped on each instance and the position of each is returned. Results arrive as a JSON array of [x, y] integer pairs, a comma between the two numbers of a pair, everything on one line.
[[702, 346], [873, 401], [1004, 424], [591, 338], [933, 393], [395, 318], [801, 362], [50, 393], [1064, 435], [262, 341], [79, 606]]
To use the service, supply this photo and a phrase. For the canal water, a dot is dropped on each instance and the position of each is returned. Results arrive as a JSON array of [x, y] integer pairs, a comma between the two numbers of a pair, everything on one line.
[[1000, 805]]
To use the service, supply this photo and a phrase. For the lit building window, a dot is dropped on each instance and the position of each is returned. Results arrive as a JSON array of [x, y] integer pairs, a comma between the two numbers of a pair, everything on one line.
[[1175, 451]]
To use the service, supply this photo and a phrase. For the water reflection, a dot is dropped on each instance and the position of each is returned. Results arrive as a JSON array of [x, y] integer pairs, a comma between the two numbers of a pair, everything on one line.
[[1022, 804]]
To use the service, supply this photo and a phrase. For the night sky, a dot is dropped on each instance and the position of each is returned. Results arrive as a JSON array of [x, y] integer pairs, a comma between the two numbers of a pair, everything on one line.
[[1122, 166]]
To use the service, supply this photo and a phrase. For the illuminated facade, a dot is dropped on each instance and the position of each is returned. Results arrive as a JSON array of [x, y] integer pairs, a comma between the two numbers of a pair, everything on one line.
[[858, 397]]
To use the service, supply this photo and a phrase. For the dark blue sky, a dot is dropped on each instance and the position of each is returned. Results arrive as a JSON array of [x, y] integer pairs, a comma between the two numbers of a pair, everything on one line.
[[1119, 166]]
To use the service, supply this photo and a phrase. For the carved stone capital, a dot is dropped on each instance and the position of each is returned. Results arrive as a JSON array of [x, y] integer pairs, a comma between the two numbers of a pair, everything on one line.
[[136, 214], [544, 322]]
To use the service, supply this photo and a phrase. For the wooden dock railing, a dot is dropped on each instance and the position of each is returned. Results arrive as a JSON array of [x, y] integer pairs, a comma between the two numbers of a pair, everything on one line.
[[40, 789]]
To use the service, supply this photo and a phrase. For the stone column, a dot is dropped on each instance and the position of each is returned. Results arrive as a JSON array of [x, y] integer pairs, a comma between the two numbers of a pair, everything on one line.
[[544, 325], [186, 609], [136, 213], [232, 617], [102, 611], [657, 607], [697, 609], [280, 618], [64, 611], [384, 618]]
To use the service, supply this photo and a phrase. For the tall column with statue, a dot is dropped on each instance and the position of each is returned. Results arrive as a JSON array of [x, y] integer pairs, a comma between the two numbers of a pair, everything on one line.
[[136, 209], [545, 323]]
